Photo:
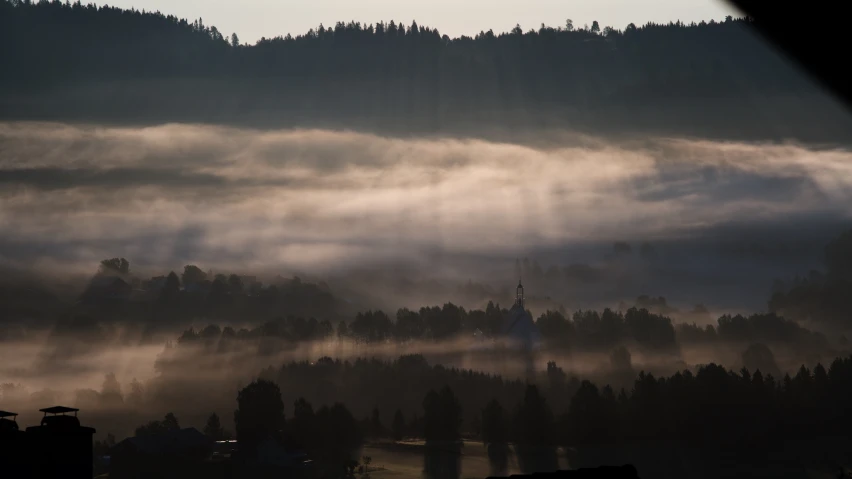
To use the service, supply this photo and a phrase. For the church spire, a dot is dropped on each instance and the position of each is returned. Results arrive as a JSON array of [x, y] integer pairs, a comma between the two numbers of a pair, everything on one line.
[[519, 294]]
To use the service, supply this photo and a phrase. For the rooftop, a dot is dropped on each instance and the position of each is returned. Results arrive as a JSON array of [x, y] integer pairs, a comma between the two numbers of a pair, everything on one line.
[[59, 410]]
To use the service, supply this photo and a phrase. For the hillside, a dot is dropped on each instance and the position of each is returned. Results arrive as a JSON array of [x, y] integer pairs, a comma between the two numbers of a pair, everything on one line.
[[85, 63]]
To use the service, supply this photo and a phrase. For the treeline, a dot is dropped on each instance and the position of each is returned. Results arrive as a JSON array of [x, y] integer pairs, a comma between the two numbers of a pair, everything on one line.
[[742, 414], [711, 415], [158, 45], [387, 73], [170, 300], [820, 297], [366, 385], [584, 330], [330, 435]]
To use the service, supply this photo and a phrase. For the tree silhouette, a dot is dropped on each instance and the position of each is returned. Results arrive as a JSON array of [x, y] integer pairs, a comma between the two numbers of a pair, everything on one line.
[[495, 435], [115, 265], [301, 432], [398, 425], [534, 434], [170, 422], [442, 421], [235, 284], [259, 414], [341, 436], [171, 288], [111, 391], [213, 428], [192, 275], [376, 428]]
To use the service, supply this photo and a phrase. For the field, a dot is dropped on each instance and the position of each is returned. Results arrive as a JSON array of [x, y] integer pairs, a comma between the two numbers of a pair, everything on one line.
[[404, 460]]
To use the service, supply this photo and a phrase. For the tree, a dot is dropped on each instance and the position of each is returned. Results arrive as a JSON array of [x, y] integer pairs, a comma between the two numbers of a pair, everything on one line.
[[302, 428], [137, 393], [111, 391], [259, 414], [409, 325], [569, 25], [341, 436], [235, 284], [534, 434], [192, 275], [235, 40], [495, 436], [371, 326], [172, 286], [595, 27], [585, 416], [758, 357], [443, 322], [342, 330], [377, 429], [398, 425], [215, 34], [442, 415], [442, 423], [494, 427], [115, 266], [213, 429], [170, 422], [150, 429]]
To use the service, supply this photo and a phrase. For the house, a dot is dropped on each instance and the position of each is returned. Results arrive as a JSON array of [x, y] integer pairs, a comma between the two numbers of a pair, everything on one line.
[[273, 460], [177, 453], [59, 447]]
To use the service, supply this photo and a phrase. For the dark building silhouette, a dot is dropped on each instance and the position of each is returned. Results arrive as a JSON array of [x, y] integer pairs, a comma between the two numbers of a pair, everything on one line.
[[60, 447], [522, 331], [13, 447], [175, 453]]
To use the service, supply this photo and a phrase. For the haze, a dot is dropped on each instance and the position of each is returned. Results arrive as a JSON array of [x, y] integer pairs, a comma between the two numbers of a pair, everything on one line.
[[630, 236]]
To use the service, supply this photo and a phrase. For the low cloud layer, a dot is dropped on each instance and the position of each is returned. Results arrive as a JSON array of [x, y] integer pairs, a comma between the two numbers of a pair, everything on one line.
[[323, 200]]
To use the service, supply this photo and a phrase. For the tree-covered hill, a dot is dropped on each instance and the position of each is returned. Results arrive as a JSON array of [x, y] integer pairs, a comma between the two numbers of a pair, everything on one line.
[[84, 62]]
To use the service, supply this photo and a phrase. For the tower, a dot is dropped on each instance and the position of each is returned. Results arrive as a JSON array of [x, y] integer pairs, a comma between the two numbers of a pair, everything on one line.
[[522, 331], [519, 295]]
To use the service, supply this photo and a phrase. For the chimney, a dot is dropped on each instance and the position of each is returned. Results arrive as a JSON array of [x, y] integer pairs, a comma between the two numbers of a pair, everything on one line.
[[60, 447]]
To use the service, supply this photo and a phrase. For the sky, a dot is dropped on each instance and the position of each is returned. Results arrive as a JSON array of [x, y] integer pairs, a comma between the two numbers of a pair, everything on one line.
[[253, 19]]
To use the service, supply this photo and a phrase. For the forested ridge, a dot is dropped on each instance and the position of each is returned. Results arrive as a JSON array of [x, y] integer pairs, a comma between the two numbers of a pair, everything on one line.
[[136, 66]]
